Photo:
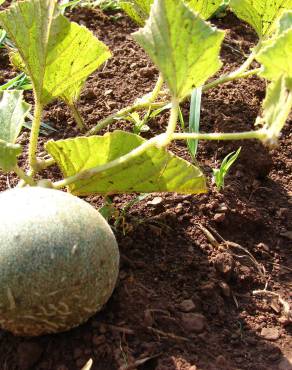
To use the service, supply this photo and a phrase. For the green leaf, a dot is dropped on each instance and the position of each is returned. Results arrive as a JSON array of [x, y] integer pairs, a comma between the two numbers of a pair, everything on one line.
[[262, 15], [276, 58], [219, 174], [13, 111], [157, 170], [206, 8], [138, 10], [183, 46], [8, 155], [58, 55]]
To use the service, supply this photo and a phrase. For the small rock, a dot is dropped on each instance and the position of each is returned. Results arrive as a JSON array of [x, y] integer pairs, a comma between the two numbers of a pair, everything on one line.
[[224, 264], [187, 306], [28, 354], [155, 201], [194, 322], [225, 289], [270, 333], [221, 362], [222, 208], [263, 247], [219, 217], [147, 71]]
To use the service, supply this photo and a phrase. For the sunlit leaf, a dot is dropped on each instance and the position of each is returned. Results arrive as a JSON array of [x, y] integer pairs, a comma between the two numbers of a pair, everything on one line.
[[206, 8], [138, 10], [183, 46], [157, 170], [276, 58], [275, 101], [58, 55], [262, 15]]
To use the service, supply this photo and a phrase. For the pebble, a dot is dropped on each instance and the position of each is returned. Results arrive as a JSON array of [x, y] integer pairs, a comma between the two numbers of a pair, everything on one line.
[[155, 201], [28, 354], [225, 289], [224, 264], [187, 305], [219, 217], [194, 322], [270, 333]]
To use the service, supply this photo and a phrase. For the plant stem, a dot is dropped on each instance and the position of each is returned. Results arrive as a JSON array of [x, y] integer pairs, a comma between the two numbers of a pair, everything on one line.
[[34, 134], [27, 179], [240, 72], [259, 134], [232, 76], [77, 116], [155, 92], [171, 123]]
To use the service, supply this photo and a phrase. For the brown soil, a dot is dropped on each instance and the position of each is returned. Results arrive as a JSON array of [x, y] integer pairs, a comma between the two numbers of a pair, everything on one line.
[[182, 303]]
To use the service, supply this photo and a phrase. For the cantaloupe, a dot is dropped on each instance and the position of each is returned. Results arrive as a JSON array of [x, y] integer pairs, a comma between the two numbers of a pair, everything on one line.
[[59, 261]]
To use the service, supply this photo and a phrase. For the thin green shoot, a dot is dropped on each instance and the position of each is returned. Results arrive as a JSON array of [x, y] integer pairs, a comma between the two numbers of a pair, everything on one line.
[[194, 122], [3, 35], [45, 129], [109, 211], [68, 4], [139, 125], [20, 82], [219, 174]]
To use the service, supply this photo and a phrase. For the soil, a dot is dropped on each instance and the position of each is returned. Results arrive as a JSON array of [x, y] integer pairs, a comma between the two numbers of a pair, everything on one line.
[[182, 302]]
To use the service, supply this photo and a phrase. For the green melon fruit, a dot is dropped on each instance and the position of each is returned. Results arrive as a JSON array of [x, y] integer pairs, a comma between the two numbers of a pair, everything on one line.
[[58, 261]]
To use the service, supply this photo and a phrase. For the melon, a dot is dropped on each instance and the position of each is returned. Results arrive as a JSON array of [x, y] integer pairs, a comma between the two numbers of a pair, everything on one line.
[[59, 261]]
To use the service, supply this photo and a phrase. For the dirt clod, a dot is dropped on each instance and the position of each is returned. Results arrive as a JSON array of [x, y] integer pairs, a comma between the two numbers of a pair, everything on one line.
[[194, 322], [270, 333]]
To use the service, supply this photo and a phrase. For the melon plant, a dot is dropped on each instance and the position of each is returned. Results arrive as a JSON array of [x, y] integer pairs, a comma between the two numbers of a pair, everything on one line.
[[59, 261], [58, 257]]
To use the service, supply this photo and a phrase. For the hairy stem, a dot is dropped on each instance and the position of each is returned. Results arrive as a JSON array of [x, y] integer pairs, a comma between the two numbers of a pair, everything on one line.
[[155, 92], [232, 76], [34, 134], [77, 116], [259, 134], [25, 178]]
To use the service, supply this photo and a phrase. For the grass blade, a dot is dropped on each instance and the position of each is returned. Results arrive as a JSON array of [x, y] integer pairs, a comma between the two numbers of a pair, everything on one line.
[[194, 122]]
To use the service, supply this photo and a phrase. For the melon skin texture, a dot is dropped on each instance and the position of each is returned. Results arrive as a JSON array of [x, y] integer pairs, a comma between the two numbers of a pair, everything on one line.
[[59, 261]]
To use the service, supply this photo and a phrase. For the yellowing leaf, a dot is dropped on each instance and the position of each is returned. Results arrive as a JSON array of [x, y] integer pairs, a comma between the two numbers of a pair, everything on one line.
[[57, 54], [206, 8], [277, 98], [262, 15], [156, 170], [183, 46]]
